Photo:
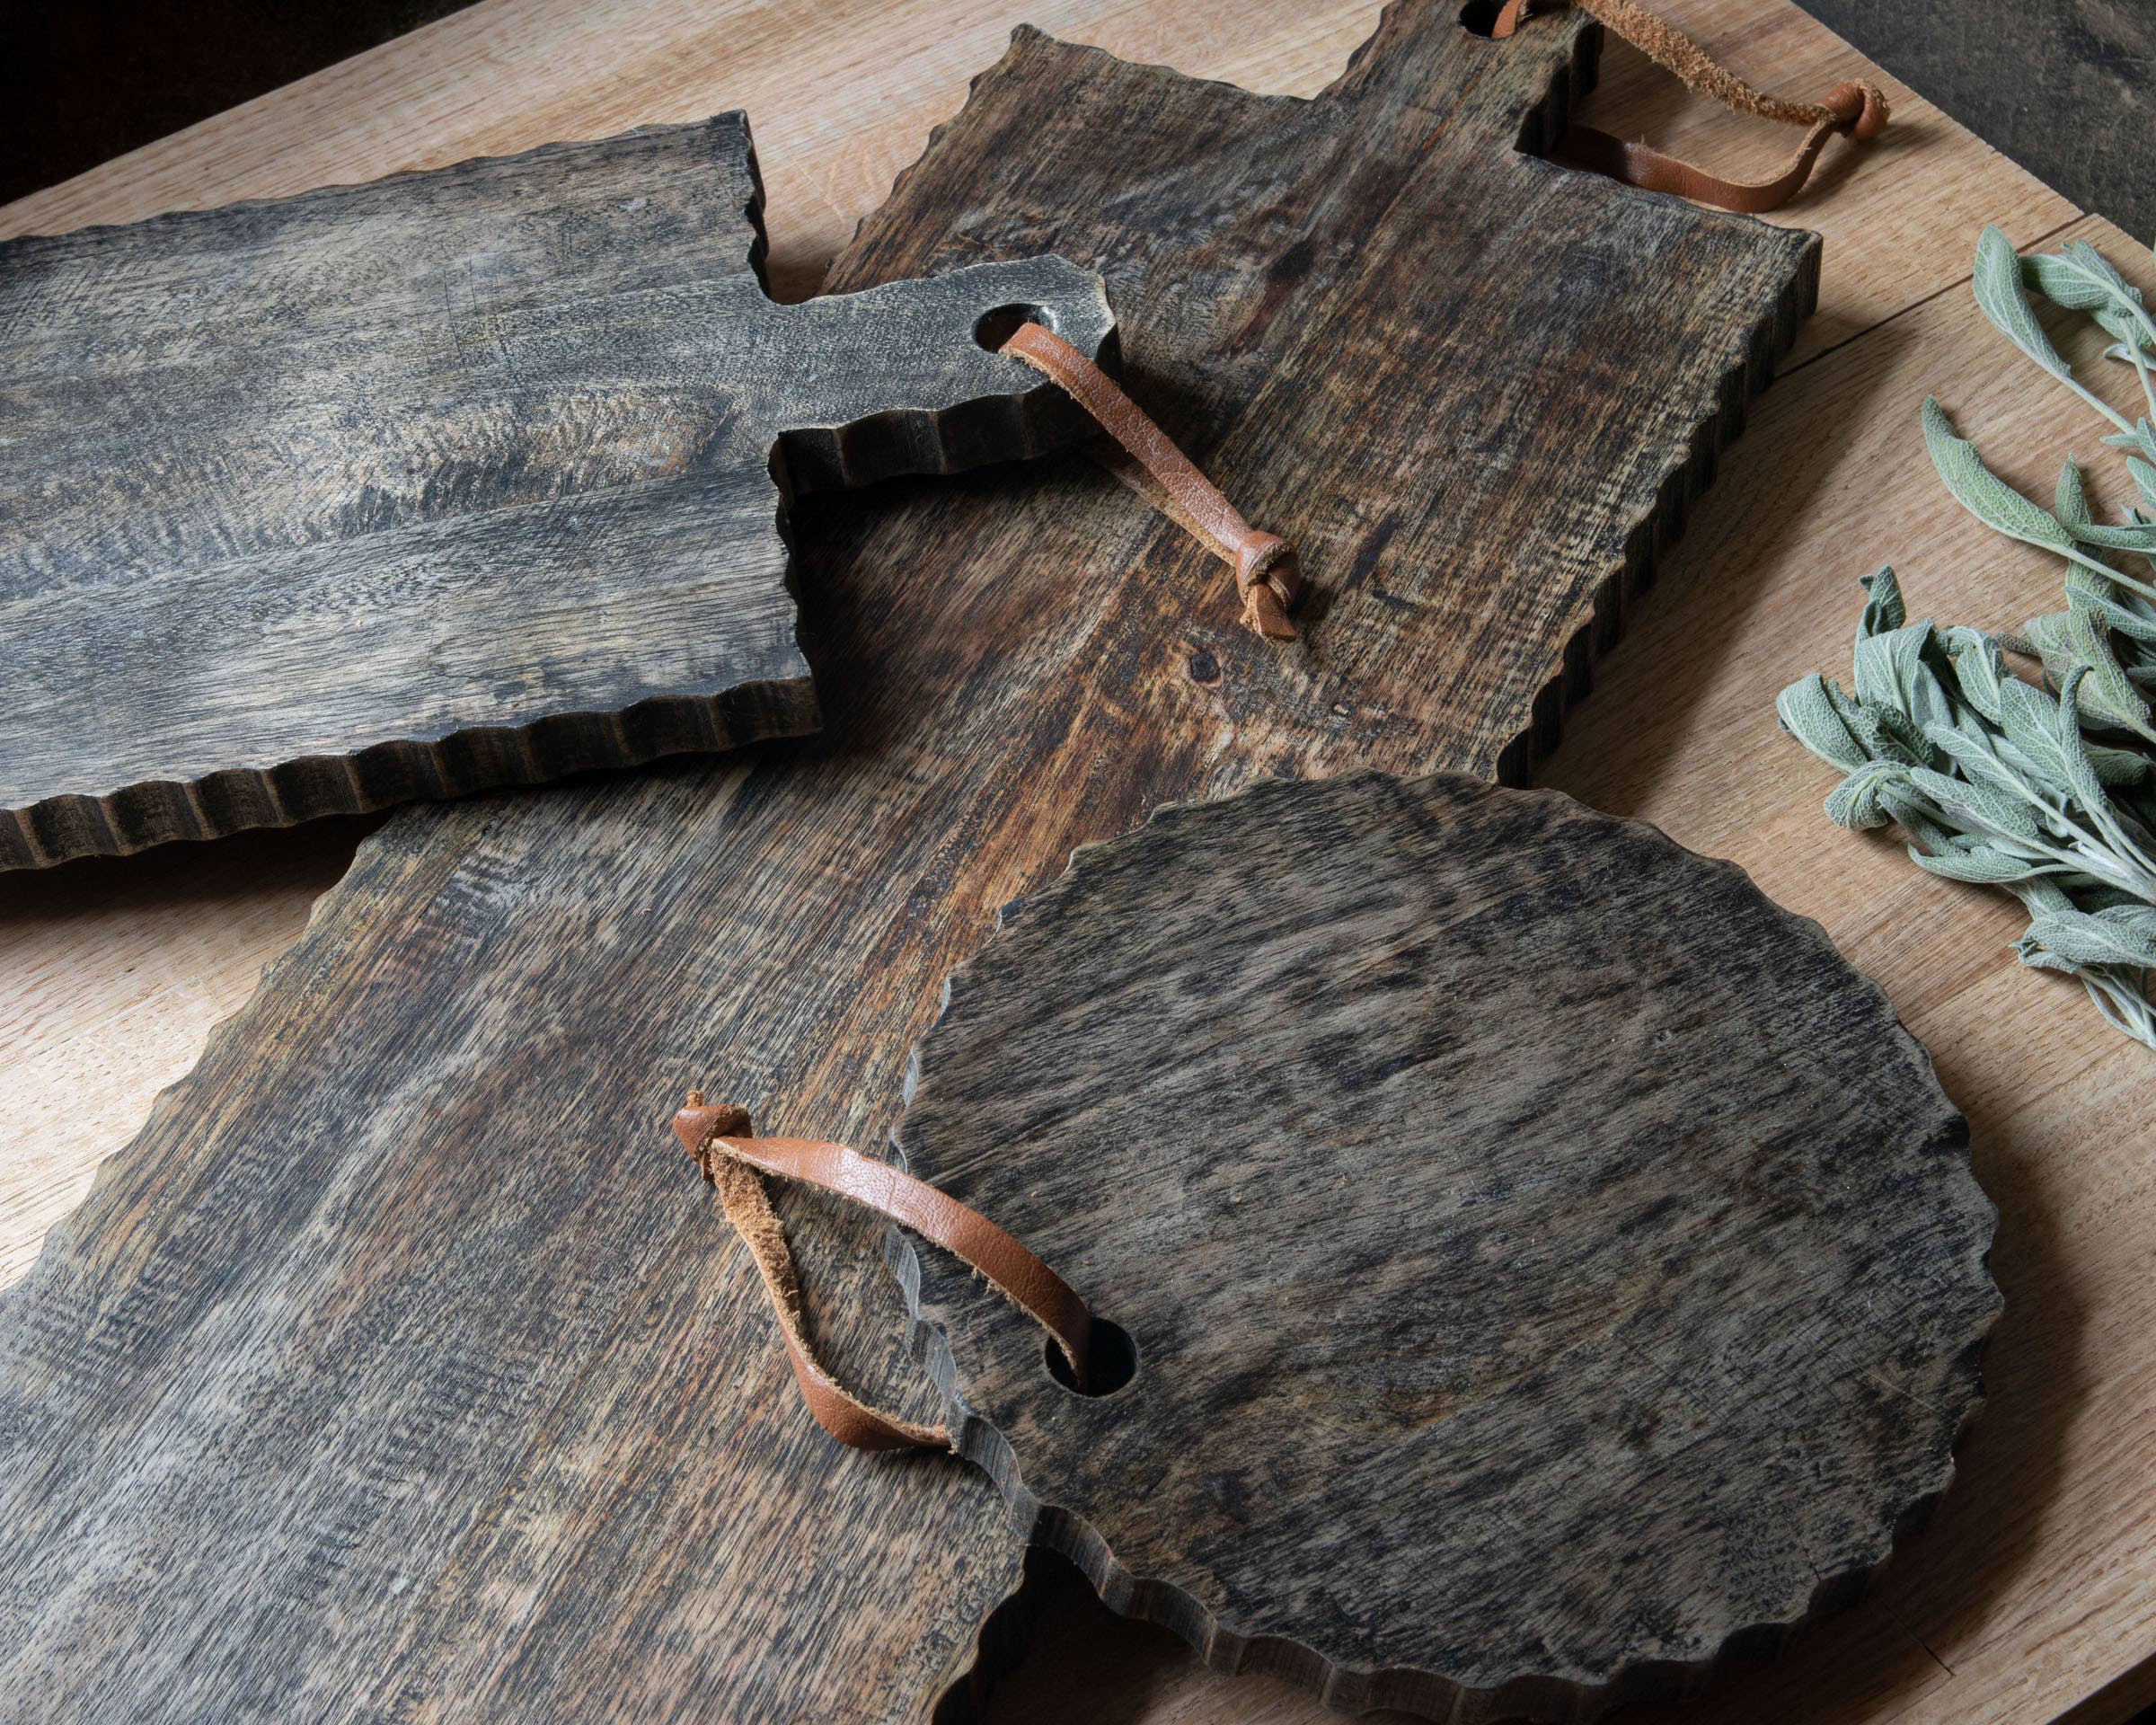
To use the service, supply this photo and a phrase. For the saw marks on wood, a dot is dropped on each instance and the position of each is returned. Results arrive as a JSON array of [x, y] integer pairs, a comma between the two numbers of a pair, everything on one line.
[[457, 479], [2032, 1585], [1551, 1268], [412, 1381], [1460, 378]]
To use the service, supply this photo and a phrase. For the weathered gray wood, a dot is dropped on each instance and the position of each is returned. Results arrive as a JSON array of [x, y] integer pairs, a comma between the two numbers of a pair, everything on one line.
[[462, 478], [1475, 388], [1551, 1267], [450, 1398]]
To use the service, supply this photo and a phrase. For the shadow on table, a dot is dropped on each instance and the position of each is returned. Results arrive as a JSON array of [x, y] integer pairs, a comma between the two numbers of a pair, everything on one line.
[[1938, 1587]]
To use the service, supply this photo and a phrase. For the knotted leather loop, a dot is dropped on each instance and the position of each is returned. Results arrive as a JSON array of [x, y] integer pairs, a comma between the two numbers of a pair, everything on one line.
[[721, 1140], [1266, 572], [1859, 109]]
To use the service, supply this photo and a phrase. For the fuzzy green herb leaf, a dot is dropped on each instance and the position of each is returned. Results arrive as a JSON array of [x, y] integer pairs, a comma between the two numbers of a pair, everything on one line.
[[1987, 497], [1997, 281], [1814, 719], [1994, 781]]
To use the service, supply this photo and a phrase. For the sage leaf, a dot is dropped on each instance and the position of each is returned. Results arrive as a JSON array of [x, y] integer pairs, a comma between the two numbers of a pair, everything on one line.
[[2123, 999], [1987, 497], [2141, 435], [1891, 735], [2070, 501], [1997, 281], [1854, 803], [1891, 671], [1813, 719], [2073, 751], [2116, 936], [1978, 758], [2114, 692], [2139, 536], [1979, 669], [2036, 958], [2041, 894], [2119, 768], [2030, 718], [1884, 611], [2081, 280], [1984, 868], [1976, 805], [2120, 608]]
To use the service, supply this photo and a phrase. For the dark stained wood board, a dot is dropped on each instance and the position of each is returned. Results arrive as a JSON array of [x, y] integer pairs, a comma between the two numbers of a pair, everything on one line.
[[462, 478], [1547, 1263], [1476, 388]]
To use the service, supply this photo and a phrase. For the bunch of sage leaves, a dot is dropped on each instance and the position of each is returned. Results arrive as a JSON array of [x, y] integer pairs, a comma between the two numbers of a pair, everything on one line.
[[2048, 792]]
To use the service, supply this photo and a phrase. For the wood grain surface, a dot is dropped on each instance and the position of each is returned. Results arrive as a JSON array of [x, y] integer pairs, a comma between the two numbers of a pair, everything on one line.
[[1550, 1269], [462, 478], [2031, 1593], [401, 1158], [470, 1412]]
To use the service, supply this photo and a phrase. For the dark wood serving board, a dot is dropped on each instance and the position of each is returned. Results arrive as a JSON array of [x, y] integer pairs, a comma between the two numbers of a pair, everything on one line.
[[403, 1354], [470, 477], [1537, 1262]]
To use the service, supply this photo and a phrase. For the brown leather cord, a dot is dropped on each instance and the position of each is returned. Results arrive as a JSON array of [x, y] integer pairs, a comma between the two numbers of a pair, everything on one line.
[[1859, 109], [734, 1160], [1266, 574]]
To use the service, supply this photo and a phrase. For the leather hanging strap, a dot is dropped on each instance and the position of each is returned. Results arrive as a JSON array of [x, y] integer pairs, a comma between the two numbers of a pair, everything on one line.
[[1859, 109], [1266, 574], [734, 1160]]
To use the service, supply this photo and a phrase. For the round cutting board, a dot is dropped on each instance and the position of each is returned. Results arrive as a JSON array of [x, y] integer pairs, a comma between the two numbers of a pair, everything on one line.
[[1528, 1266]]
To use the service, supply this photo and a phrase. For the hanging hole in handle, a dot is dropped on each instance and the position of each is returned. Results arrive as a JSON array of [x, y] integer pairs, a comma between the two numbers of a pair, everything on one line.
[[993, 327], [1479, 17], [1111, 1361]]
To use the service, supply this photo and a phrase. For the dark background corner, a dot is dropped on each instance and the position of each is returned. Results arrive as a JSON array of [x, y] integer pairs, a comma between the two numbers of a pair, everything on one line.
[[2065, 87], [83, 81]]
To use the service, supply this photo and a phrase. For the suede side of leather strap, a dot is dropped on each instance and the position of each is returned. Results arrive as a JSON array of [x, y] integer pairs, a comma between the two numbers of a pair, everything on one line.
[[1859, 109], [837, 1410], [1267, 573], [721, 1141]]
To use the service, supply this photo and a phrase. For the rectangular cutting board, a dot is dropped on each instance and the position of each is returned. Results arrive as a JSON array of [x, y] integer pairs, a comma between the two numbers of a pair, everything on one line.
[[462, 478]]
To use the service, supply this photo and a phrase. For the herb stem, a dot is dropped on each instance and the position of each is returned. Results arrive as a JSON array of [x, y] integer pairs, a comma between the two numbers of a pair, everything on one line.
[[2141, 366], [2098, 402], [2074, 554]]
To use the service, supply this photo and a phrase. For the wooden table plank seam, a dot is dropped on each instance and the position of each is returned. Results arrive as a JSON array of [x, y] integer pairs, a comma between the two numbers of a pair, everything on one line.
[[2033, 243]]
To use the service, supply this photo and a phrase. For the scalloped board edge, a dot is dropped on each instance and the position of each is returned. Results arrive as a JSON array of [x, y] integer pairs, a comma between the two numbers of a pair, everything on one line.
[[470, 477], [1934, 1122]]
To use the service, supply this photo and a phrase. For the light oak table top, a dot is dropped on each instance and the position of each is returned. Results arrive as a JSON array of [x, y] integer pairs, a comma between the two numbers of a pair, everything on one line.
[[2033, 1596]]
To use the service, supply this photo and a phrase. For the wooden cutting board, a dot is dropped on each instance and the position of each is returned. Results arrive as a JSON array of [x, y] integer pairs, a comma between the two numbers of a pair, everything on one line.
[[403, 1351], [1528, 1267], [463, 478]]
